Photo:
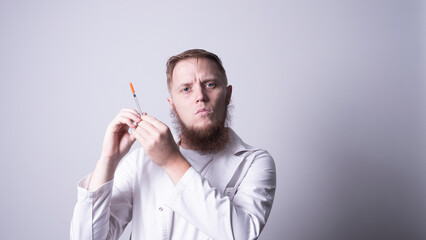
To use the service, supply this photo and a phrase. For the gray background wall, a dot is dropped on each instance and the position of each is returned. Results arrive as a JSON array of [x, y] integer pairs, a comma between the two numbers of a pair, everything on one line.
[[335, 90]]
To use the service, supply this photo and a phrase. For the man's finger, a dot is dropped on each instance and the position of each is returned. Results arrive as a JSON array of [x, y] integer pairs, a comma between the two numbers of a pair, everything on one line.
[[155, 122], [132, 116], [140, 136], [120, 120], [129, 110], [132, 138], [148, 127]]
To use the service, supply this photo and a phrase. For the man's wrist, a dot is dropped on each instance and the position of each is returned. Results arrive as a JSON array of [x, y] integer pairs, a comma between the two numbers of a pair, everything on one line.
[[104, 172], [109, 162]]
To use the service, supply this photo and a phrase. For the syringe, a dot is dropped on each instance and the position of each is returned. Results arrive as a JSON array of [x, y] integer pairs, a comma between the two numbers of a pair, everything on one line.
[[136, 99]]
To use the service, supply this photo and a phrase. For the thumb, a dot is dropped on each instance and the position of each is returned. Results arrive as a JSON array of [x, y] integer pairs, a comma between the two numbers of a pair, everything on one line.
[[132, 138]]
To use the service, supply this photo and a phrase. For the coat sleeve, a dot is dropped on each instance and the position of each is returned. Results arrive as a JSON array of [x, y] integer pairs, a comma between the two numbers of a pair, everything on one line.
[[222, 217], [105, 212]]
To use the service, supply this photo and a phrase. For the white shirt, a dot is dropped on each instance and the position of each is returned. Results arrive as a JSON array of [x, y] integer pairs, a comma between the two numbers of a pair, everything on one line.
[[227, 195]]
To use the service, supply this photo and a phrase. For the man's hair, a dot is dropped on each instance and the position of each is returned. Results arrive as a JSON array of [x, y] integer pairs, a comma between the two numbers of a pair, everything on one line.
[[192, 53]]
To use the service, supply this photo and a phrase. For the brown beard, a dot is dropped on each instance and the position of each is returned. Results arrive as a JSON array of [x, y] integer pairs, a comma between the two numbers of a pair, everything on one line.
[[210, 139]]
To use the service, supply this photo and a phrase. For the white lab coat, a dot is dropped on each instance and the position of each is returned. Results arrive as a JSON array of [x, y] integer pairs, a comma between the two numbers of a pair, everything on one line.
[[228, 197]]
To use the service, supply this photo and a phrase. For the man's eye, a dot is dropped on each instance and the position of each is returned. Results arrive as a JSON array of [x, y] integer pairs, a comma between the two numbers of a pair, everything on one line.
[[186, 89], [211, 85]]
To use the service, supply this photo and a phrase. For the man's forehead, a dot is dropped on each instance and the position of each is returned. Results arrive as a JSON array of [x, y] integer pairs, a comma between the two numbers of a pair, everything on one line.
[[192, 66]]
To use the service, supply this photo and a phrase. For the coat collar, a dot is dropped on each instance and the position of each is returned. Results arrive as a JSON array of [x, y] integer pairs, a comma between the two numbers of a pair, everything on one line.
[[236, 146], [228, 160]]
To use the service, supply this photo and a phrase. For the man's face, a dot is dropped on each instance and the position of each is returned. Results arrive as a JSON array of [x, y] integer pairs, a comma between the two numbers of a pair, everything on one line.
[[198, 93]]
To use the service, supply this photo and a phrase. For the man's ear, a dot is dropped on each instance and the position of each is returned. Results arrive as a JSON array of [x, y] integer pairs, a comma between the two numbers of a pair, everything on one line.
[[170, 102], [228, 94]]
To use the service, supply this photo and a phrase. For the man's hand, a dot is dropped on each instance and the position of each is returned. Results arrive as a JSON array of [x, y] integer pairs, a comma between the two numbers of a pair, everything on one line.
[[117, 142], [158, 143]]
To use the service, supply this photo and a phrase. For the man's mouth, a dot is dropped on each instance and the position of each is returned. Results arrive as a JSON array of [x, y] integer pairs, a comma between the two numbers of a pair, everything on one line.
[[202, 111]]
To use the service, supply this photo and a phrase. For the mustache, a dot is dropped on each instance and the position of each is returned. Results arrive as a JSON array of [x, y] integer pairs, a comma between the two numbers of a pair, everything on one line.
[[177, 120]]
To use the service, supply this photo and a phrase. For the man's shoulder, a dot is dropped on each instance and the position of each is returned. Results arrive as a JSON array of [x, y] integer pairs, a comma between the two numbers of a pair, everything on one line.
[[238, 147]]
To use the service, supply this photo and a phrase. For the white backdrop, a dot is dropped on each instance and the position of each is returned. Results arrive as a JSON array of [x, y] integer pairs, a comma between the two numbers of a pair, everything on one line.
[[334, 90]]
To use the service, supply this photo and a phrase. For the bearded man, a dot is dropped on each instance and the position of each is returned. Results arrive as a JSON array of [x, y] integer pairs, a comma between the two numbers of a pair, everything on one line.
[[208, 185]]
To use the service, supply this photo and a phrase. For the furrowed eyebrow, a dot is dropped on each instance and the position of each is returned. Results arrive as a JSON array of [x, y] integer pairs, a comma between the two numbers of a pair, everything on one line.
[[210, 80]]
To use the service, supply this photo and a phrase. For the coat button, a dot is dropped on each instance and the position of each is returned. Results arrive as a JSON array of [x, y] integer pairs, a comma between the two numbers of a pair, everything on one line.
[[160, 208]]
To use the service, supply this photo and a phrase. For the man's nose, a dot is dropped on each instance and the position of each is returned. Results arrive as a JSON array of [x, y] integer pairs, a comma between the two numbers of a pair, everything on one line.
[[200, 95]]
